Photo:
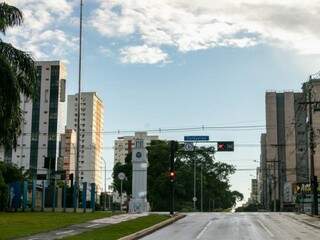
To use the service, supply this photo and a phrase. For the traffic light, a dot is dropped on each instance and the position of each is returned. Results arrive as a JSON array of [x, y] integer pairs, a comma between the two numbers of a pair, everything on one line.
[[172, 175], [225, 146]]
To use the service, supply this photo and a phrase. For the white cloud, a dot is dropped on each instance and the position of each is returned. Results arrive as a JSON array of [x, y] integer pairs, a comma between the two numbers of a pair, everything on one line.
[[41, 32], [202, 24], [143, 54], [106, 51]]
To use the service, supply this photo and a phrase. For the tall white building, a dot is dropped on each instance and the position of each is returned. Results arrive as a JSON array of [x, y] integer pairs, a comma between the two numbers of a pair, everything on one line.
[[124, 145], [91, 137], [44, 118]]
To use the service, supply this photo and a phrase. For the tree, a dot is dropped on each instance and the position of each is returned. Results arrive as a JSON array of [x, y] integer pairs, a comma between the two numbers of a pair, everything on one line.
[[17, 78], [215, 174], [127, 170]]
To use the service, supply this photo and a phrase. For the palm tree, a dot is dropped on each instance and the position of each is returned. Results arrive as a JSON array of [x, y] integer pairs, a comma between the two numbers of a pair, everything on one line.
[[17, 79]]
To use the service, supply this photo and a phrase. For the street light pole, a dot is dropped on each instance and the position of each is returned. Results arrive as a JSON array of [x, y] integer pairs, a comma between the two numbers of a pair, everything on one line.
[[121, 195], [78, 112]]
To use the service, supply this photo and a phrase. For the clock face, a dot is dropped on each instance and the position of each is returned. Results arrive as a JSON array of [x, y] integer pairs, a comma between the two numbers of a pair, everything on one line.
[[138, 155]]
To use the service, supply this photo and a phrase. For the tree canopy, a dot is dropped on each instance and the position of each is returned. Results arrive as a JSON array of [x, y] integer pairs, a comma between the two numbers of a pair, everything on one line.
[[216, 186], [17, 78]]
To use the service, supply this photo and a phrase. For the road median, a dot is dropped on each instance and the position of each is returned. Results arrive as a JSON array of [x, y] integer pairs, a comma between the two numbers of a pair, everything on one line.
[[153, 228]]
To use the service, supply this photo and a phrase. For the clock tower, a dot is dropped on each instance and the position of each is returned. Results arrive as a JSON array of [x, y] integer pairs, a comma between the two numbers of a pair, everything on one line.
[[138, 202]]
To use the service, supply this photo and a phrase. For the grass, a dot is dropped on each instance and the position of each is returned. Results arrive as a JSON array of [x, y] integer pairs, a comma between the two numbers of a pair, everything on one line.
[[14, 225], [119, 230]]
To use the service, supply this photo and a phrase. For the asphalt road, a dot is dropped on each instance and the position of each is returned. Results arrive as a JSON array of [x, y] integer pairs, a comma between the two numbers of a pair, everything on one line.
[[237, 226]]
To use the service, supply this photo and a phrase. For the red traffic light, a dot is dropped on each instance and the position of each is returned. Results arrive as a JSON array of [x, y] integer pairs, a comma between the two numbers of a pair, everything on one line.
[[220, 147], [225, 146], [172, 175]]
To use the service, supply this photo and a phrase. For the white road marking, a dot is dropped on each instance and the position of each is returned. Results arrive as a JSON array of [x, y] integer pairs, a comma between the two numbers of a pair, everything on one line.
[[265, 228], [204, 230], [64, 232], [93, 225]]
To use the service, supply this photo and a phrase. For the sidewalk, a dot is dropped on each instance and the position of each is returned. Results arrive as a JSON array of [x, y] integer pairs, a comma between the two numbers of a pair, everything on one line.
[[306, 219], [83, 227]]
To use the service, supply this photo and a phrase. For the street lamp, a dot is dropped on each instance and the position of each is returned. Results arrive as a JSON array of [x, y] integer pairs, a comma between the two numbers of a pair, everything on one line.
[[121, 177]]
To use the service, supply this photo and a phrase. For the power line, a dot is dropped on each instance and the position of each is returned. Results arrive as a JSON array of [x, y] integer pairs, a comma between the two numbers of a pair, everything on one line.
[[180, 129]]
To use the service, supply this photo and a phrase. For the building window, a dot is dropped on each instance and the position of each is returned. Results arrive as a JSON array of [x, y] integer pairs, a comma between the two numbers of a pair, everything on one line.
[[46, 95]]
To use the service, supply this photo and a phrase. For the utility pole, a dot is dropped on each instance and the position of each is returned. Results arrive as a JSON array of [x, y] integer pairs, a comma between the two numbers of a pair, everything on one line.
[[77, 185], [194, 184], [201, 179], [313, 178], [274, 191], [105, 184], [274, 182]]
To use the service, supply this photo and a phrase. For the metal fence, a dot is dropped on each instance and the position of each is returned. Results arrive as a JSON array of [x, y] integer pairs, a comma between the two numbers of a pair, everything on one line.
[[54, 195]]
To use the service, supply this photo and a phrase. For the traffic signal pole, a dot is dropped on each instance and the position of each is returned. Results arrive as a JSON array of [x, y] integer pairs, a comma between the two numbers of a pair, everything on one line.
[[172, 175]]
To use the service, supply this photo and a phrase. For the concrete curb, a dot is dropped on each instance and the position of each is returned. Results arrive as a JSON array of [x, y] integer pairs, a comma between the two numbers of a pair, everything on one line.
[[153, 228]]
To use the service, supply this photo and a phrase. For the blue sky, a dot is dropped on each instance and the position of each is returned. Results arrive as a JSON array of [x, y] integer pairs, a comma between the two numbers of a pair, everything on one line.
[[162, 64]]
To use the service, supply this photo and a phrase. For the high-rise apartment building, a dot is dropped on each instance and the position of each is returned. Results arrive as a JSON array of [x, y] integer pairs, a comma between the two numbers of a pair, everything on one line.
[[91, 136], [312, 87], [286, 141], [124, 145], [67, 157], [254, 191], [263, 187], [44, 119]]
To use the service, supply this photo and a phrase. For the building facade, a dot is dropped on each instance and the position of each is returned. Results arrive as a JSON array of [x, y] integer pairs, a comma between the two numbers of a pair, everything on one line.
[[254, 191], [263, 179], [67, 157], [43, 120], [91, 135], [124, 145], [312, 87], [286, 148]]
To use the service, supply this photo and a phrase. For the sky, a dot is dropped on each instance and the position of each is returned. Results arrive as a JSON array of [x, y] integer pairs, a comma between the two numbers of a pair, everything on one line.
[[180, 63]]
